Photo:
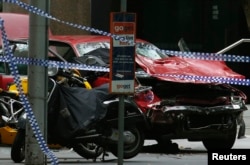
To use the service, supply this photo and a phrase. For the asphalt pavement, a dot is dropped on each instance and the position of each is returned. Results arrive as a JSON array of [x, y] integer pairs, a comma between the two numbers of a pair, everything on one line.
[[191, 153]]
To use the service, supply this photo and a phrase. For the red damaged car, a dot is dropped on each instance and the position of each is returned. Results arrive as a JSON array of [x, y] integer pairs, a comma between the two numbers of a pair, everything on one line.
[[177, 107]]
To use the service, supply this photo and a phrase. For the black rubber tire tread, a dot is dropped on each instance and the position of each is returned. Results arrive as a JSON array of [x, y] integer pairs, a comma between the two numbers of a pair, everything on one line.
[[222, 143], [131, 150], [17, 149], [88, 150]]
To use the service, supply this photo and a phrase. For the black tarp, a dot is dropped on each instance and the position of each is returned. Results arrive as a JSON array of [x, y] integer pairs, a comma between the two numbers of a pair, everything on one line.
[[74, 109]]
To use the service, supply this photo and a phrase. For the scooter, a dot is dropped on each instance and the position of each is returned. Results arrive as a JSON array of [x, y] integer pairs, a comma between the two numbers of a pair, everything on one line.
[[78, 116]]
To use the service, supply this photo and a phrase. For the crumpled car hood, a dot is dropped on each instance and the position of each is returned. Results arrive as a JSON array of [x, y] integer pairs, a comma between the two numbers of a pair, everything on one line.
[[184, 66]]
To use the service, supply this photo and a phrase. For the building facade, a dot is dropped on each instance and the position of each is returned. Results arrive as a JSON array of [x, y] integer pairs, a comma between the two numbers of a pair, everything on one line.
[[75, 11]]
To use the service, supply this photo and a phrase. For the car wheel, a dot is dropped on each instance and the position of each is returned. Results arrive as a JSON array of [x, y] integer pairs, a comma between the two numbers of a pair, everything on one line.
[[130, 150], [88, 150], [18, 147], [222, 143]]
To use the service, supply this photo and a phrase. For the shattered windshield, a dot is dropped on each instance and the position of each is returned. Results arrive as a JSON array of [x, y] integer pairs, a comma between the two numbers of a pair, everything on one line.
[[86, 48], [149, 50], [144, 49]]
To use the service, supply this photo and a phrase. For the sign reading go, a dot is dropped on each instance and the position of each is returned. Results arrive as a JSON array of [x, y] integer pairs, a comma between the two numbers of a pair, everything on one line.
[[122, 68]]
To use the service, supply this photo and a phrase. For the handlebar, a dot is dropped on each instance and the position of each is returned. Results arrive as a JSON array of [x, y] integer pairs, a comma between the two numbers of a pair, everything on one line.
[[73, 79], [140, 89]]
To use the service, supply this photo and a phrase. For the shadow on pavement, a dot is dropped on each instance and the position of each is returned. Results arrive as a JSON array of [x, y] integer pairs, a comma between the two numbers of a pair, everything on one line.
[[171, 148]]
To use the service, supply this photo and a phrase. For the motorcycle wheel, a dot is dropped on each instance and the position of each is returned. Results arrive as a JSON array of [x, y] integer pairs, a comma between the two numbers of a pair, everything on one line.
[[88, 150], [130, 150], [223, 143], [17, 149]]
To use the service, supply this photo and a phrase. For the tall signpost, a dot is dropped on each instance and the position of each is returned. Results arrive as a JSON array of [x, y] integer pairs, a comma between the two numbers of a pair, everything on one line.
[[122, 69], [37, 81]]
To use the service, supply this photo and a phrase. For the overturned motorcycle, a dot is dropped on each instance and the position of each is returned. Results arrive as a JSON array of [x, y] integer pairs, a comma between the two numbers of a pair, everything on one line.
[[79, 117]]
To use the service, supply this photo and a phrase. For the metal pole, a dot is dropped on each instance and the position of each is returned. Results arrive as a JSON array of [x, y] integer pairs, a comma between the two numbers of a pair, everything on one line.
[[37, 83], [121, 129], [121, 109], [124, 5]]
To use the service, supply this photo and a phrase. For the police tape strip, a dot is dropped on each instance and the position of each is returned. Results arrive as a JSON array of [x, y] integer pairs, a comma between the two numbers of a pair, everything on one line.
[[56, 64], [208, 79], [68, 65], [209, 56], [193, 55], [28, 110]]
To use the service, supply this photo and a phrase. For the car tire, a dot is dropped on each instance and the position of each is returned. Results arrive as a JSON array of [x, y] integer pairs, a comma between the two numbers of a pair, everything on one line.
[[18, 147], [222, 143], [242, 129]]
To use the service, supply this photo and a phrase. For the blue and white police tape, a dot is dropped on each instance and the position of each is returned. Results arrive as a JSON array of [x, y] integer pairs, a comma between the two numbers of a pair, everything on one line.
[[209, 56], [68, 65], [208, 79], [28, 110], [42, 13], [193, 55], [56, 64]]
